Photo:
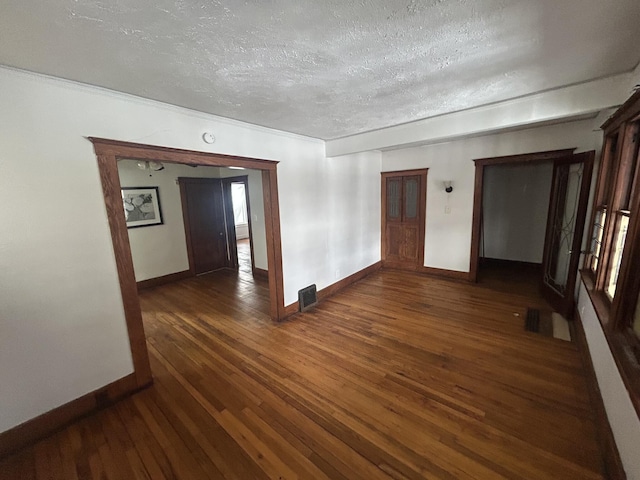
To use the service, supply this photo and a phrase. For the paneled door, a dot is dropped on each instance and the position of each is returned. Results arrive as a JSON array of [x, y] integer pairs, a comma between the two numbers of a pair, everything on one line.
[[209, 229], [565, 223], [403, 218]]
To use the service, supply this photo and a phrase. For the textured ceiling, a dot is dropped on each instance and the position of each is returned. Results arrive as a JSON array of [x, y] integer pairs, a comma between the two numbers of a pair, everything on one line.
[[326, 69]]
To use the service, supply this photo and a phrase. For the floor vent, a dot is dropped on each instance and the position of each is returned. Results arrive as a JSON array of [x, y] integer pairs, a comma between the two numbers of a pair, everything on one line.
[[532, 322], [307, 297], [540, 322]]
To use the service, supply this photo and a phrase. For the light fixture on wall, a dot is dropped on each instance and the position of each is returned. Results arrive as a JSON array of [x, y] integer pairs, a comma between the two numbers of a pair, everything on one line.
[[208, 137], [153, 166], [448, 186]]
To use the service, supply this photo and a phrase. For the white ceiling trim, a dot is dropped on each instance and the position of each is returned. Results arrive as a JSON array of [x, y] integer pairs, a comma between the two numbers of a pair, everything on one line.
[[566, 103], [106, 92]]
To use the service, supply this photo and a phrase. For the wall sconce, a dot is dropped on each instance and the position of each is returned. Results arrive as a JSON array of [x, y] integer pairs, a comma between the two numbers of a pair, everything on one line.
[[153, 166], [448, 186]]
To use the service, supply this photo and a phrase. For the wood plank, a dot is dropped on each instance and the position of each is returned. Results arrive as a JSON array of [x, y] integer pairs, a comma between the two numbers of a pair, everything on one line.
[[399, 375]]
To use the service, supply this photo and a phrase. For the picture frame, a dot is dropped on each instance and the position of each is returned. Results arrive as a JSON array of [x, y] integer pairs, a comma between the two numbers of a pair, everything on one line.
[[141, 206]]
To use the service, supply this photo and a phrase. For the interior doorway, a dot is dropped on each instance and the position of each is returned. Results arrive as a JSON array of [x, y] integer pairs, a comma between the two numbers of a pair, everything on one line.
[[243, 226], [566, 203], [108, 152]]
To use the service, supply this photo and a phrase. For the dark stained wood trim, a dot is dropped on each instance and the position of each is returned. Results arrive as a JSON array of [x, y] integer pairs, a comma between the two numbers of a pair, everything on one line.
[[628, 111], [164, 279], [621, 182], [564, 304], [404, 173], [107, 153], [137, 151], [274, 244], [610, 455], [476, 223], [108, 166], [501, 262], [443, 273], [345, 282], [480, 164], [49, 422], [525, 157], [259, 272], [606, 167], [600, 303], [187, 225], [338, 286], [292, 309]]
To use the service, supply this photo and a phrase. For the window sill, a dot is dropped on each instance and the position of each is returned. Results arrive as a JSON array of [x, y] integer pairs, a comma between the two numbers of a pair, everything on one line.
[[619, 344], [601, 303]]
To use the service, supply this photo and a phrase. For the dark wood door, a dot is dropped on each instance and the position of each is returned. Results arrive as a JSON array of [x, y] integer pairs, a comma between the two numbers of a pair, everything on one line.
[[403, 218], [565, 225], [206, 224]]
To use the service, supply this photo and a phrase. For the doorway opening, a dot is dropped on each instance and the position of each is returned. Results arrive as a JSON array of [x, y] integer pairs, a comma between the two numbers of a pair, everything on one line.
[[241, 202], [531, 238], [108, 152]]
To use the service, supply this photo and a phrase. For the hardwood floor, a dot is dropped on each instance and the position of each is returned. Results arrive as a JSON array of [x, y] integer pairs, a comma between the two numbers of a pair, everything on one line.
[[244, 255], [399, 376]]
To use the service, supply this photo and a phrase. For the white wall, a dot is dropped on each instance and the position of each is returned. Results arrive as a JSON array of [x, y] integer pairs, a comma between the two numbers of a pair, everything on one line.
[[634, 79], [620, 411], [63, 331], [515, 208], [448, 236], [338, 202], [162, 249]]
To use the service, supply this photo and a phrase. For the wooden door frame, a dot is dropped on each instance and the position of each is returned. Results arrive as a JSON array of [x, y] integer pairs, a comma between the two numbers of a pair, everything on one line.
[[422, 212], [108, 152], [480, 164], [244, 179]]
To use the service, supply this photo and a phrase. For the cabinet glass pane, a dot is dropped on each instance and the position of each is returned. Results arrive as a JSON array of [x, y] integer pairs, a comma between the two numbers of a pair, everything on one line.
[[411, 185], [394, 192]]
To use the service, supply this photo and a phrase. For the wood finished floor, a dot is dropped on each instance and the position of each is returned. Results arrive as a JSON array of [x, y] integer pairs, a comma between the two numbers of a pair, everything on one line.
[[399, 376]]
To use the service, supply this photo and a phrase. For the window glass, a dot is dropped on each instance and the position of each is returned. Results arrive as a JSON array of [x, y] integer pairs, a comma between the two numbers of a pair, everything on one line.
[[596, 239], [616, 255]]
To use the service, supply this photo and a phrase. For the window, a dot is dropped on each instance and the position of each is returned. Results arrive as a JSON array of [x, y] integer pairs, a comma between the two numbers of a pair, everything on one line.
[[603, 191], [620, 236], [596, 238], [611, 265]]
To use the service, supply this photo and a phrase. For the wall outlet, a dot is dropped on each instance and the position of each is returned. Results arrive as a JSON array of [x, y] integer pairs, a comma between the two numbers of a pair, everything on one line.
[[447, 210]]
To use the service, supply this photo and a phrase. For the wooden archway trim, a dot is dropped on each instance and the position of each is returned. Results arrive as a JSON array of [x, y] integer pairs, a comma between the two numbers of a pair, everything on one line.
[[481, 163], [108, 152]]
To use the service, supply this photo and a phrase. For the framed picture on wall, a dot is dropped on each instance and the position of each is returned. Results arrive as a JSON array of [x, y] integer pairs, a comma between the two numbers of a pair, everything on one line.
[[141, 206]]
